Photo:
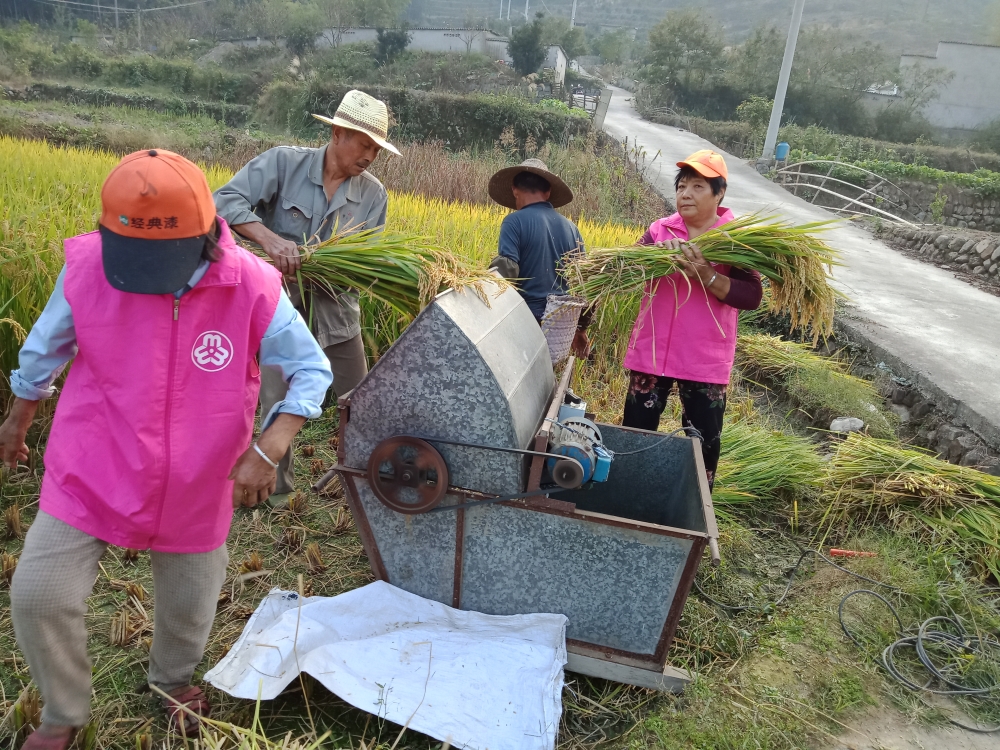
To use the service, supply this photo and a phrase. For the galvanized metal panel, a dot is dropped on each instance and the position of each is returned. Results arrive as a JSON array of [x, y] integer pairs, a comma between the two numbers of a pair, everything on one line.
[[514, 348], [461, 371], [615, 585], [418, 552], [653, 479]]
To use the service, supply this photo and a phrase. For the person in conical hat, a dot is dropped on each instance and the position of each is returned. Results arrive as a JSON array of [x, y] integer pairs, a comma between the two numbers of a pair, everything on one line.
[[292, 196], [535, 237]]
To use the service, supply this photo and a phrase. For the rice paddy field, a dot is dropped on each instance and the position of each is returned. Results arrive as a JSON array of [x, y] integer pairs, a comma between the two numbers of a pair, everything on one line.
[[770, 675]]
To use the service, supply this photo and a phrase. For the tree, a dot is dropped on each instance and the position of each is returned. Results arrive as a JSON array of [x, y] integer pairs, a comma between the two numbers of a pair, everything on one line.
[[752, 67], [390, 43], [920, 84], [614, 46], [469, 36], [301, 24], [574, 42], [526, 47], [339, 15], [685, 48]]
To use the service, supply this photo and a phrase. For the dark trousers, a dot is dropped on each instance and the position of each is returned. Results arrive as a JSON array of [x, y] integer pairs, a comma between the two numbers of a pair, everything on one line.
[[702, 407]]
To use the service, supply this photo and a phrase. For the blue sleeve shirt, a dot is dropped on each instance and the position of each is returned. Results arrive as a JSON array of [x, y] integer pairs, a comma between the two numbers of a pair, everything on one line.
[[287, 346], [537, 237]]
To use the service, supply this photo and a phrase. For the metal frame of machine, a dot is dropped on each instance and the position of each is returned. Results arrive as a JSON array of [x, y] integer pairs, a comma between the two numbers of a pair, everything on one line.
[[647, 670]]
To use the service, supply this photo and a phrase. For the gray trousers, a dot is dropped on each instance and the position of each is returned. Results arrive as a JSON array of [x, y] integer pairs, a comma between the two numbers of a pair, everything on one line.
[[347, 360], [48, 595]]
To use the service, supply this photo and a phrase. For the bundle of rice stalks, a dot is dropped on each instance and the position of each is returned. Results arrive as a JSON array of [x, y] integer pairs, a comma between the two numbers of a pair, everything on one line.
[[314, 558], [12, 520], [821, 386], [127, 625], [8, 564], [252, 564], [760, 465], [27, 714], [872, 481], [796, 263], [403, 270], [342, 522]]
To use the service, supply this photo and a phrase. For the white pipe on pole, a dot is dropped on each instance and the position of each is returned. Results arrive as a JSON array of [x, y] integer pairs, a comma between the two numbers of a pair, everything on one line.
[[779, 95], [526, 9], [572, 18]]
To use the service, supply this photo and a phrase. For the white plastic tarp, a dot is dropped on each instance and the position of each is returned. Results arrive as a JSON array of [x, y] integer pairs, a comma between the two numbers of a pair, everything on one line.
[[477, 681]]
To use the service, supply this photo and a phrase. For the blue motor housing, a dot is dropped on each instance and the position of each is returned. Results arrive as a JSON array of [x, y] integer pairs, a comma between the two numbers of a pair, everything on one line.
[[578, 439]]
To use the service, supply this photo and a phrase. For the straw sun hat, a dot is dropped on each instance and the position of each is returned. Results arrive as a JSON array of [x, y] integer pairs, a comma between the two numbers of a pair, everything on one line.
[[365, 114], [502, 181]]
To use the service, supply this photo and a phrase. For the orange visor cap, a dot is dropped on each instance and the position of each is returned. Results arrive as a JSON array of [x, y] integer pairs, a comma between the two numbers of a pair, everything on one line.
[[157, 195], [707, 163]]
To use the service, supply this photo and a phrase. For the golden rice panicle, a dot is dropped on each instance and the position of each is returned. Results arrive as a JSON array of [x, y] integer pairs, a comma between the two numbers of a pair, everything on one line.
[[796, 263]]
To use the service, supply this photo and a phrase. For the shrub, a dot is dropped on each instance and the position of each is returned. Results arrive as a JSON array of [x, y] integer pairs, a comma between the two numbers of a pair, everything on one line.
[[390, 44], [458, 121], [526, 47]]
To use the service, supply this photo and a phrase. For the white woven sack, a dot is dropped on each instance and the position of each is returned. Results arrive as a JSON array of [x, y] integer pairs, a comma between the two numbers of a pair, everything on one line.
[[562, 313]]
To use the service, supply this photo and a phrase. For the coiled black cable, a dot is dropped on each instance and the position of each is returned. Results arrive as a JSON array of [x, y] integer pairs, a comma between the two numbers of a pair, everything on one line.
[[965, 647]]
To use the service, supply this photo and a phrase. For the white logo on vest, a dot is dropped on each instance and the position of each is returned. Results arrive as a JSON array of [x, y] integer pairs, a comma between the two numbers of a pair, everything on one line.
[[212, 351]]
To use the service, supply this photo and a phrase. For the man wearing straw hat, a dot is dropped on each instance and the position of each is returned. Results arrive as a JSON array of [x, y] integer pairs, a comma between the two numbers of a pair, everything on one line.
[[291, 196], [534, 239]]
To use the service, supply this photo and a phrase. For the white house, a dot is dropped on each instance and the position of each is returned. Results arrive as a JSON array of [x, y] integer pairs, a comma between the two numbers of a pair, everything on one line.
[[449, 40], [972, 98]]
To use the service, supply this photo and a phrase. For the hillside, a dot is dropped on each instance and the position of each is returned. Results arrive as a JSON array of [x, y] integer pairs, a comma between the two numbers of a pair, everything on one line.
[[899, 25]]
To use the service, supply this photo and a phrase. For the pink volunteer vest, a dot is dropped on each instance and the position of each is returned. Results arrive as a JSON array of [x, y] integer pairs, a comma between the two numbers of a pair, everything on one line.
[[157, 406], [677, 333]]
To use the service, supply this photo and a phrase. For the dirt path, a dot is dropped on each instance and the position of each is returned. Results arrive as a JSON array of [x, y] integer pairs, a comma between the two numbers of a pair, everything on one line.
[[927, 325], [886, 729]]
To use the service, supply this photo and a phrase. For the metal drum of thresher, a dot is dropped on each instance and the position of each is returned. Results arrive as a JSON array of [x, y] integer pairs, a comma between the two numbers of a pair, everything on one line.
[[458, 413]]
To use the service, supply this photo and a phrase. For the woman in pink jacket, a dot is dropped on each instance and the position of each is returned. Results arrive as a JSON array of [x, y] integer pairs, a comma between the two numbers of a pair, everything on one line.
[[168, 323], [686, 328]]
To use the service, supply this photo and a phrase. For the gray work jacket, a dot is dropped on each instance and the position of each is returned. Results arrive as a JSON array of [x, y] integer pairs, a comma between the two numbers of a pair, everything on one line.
[[283, 188]]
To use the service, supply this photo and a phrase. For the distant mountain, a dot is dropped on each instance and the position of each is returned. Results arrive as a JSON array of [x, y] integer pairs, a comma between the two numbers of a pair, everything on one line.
[[913, 26]]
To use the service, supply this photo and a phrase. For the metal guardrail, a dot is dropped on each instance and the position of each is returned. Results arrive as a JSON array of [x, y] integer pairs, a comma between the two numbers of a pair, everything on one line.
[[817, 184]]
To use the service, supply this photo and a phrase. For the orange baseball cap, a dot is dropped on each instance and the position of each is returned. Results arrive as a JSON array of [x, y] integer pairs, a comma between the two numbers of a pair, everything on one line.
[[707, 163], [156, 210]]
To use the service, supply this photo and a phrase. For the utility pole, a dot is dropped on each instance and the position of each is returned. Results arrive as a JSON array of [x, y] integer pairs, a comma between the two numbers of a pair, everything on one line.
[[572, 18], [138, 21], [501, 10], [116, 16], [779, 95], [526, 10]]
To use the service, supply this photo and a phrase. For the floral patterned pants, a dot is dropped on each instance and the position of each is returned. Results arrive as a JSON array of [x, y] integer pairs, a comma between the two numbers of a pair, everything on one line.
[[702, 407]]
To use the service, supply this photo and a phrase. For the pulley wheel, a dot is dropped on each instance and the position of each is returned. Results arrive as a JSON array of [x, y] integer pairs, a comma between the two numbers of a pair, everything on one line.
[[567, 473], [407, 474]]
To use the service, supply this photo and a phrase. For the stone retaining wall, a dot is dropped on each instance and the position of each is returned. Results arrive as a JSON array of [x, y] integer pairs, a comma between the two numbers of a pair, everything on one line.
[[970, 252]]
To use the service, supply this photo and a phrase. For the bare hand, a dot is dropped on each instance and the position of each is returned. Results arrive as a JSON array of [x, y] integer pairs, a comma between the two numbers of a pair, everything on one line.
[[254, 479], [694, 264], [13, 432], [284, 253], [581, 345]]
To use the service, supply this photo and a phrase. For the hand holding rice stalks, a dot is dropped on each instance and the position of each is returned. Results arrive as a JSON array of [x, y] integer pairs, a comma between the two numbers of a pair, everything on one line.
[[402, 270], [795, 262], [875, 481]]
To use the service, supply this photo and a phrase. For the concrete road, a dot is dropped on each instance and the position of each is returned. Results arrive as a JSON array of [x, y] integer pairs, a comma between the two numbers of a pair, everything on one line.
[[939, 332]]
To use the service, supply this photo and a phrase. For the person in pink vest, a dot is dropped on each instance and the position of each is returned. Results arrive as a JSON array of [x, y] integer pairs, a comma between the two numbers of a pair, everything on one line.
[[686, 328], [168, 323]]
